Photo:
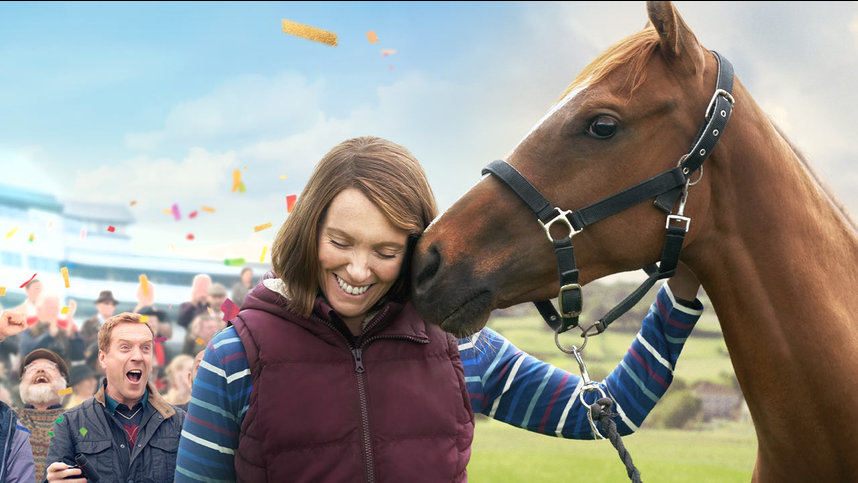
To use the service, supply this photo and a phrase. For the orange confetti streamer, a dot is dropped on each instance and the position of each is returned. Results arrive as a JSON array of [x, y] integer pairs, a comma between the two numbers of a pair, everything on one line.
[[236, 179], [372, 37], [290, 202], [2, 291], [144, 284], [207, 209], [262, 227], [200, 341], [310, 33], [63, 392]]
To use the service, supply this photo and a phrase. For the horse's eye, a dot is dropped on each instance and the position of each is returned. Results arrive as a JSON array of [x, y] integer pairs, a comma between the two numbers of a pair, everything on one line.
[[602, 127]]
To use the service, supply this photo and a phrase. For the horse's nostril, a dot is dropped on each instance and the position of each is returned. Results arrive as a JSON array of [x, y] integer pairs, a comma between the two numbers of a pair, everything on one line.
[[426, 266]]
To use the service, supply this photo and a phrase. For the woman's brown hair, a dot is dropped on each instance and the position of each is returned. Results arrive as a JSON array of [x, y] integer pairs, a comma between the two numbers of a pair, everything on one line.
[[387, 174]]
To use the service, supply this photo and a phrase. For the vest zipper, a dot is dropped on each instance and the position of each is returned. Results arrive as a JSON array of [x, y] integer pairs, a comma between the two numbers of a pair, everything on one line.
[[364, 414]]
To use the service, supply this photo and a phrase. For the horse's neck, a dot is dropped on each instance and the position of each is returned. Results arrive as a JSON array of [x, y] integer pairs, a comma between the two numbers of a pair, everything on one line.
[[780, 264]]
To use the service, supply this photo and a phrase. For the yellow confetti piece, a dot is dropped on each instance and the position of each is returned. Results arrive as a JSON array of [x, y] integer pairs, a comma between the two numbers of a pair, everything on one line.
[[65, 271], [144, 284], [372, 37], [11, 232], [167, 211], [282, 176], [64, 310], [63, 392], [144, 319], [207, 209], [211, 312], [262, 257], [310, 33], [2, 290], [236, 179], [262, 227], [200, 341]]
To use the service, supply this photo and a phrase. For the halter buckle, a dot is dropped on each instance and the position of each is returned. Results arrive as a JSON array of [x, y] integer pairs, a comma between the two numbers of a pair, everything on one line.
[[566, 288], [561, 217], [719, 92], [678, 218]]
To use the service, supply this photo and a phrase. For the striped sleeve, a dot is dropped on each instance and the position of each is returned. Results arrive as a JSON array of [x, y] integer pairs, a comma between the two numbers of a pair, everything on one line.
[[219, 400], [512, 386]]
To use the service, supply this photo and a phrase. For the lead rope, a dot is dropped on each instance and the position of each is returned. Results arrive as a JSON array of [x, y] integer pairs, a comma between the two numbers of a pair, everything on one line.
[[600, 410]]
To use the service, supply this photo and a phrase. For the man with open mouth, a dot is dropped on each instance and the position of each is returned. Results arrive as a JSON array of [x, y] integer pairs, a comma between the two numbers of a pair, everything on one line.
[[127, 431], [44, 375]]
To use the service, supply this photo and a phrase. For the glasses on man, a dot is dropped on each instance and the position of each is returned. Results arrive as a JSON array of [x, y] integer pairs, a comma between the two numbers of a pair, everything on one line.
[[46, 366]]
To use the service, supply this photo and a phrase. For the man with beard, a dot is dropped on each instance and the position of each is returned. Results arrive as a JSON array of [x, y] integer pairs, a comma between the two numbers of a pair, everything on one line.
[[127, 432], [44, 375], [16, 456]]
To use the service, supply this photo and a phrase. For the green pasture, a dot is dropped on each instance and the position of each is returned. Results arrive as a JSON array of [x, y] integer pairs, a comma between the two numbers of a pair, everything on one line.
[[720, 451], [503, 453]]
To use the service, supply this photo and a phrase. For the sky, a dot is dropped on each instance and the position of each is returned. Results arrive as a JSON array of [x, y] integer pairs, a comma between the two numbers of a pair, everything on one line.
[[158, 103]]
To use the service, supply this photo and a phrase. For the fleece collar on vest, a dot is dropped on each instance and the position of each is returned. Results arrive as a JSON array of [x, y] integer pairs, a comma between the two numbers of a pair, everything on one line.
[[155, 399], [271, 294]]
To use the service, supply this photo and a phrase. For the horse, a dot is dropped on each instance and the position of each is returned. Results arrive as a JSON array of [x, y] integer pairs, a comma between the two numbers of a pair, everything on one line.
[[771, 247]]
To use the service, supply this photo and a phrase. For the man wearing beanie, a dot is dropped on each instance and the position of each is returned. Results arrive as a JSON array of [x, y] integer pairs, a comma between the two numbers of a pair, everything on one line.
[[44, 375]]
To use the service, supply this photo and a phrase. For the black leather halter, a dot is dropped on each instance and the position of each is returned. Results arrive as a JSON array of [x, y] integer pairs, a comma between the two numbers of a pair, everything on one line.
[[666, 187]]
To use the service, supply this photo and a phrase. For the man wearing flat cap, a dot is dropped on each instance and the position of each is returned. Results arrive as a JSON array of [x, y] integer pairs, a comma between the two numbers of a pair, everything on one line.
[[106, 305], [44, 376]]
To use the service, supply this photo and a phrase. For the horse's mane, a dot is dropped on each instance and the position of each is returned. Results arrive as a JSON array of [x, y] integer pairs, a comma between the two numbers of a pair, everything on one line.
[[634, 51], [815, 177]]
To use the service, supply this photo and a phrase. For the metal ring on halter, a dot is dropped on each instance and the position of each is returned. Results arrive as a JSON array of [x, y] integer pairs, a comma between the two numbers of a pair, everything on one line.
[[574, 348], [699, 177]]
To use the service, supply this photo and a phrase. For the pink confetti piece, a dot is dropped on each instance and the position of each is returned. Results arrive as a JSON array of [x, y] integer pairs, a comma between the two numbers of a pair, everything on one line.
[[160, 339], [176, 214], [83, 233], [111, 229], [386, 52], [192, 214], [229, 309], [190, 236]]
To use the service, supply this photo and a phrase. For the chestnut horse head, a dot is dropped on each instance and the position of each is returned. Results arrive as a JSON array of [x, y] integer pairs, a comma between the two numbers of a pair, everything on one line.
[[777, 258]]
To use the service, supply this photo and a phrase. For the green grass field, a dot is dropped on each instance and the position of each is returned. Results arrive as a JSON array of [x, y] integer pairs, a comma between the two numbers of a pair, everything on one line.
[[722, 452], [502, 453]]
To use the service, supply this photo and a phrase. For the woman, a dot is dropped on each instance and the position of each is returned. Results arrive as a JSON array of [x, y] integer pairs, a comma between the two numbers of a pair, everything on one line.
[[356, 385], [179, 388]]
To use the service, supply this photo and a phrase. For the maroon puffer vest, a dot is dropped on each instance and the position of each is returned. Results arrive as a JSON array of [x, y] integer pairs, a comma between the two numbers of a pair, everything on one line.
[[392, 408]]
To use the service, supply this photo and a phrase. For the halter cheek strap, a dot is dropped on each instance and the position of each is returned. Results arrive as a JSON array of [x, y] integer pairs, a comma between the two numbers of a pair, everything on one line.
[[666, 188]]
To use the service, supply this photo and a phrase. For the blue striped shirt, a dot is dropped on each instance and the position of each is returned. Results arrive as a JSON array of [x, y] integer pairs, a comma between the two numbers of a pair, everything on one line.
[[504, 383]]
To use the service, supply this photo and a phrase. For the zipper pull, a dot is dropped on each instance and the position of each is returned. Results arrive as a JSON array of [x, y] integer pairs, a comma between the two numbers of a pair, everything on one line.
[[358, 355]]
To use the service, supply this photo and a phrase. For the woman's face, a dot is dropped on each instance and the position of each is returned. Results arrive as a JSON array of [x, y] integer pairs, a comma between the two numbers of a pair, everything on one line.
[[360, 255]]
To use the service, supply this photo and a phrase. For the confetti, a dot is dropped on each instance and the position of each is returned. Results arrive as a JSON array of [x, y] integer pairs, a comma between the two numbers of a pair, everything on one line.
[[50, 433], [207, 209], [290, 202], [262, 257], [132, 203], [167, 211], [144, 284], [64, 310], [386, 52], [111, 228], [83, 233], [192, 214], [262, 227], [229, 309], [190, 236], [233, 262], [144, 319], [372, 37], [236, 180], [282, 176], [31, 238], [11, 232], [211, 312], [59, 419], [390, 67], [309, 33], [83, 431], [2, 290], [65, 271], [63, 392], [176, 214], [160, 339], [200, 341], [28, 281]]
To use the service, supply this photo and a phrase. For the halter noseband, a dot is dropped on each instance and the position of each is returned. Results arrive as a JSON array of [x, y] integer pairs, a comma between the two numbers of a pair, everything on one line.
[[666, 187]]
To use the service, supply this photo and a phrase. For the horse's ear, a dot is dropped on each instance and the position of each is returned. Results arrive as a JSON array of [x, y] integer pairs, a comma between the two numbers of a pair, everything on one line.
[[677, 40]]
